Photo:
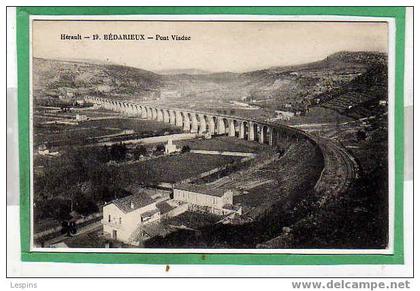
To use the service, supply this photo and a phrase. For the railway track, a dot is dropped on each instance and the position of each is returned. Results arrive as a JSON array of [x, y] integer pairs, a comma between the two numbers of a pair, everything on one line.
[[340, 169]]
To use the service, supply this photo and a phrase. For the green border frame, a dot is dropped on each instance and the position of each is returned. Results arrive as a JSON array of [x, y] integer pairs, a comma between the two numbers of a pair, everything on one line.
[[22, 22]]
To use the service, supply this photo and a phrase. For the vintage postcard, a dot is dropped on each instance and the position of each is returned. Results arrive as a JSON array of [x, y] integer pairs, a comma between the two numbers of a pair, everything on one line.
[[212, 135]]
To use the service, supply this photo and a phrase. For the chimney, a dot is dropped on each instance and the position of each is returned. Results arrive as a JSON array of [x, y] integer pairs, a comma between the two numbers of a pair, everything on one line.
[[132, 205]]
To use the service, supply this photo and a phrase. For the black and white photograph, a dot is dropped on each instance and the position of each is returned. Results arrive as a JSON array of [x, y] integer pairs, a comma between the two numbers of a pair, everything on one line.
[[213, 135]]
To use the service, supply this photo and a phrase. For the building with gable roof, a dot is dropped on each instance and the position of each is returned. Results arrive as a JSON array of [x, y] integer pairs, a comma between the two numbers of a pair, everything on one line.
[[122, 217]]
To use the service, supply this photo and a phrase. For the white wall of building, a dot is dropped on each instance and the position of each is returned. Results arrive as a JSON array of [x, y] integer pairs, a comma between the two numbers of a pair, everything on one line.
[[125, 224], [203, 199]]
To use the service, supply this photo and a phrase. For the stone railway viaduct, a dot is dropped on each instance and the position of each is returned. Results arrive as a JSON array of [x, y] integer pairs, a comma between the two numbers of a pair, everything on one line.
[[244, 128], [205, 122]]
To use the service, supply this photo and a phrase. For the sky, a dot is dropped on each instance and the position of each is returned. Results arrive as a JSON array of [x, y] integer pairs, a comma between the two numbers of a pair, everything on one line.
[[214, 46]]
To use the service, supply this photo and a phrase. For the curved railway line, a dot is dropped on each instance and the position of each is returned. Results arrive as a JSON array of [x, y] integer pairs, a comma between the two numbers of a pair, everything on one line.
[[340, 169]]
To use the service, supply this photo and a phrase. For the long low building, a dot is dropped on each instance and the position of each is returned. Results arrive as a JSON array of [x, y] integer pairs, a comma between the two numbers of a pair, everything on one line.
[[203, 198]]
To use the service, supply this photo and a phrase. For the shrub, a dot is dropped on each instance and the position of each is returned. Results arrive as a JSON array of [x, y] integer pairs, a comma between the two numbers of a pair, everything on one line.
[[185, 149]]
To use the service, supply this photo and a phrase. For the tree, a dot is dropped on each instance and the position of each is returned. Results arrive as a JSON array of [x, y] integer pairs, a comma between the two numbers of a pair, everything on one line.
[[85, 206], [118, 152], [361, 135], [139, 151], [160, 147], [280, 150], [104, 154], [185, 149], [61, 210], [106, 194]]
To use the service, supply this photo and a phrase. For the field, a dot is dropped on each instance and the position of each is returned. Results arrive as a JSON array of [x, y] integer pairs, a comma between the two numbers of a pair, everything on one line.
[[317, 115], [224, 143], [173, 168], [285, 178], [86, 132]]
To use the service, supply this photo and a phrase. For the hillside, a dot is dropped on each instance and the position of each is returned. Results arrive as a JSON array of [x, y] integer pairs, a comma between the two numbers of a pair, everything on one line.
[[302, 85], [53, 78], [350, 83], [360, 97], [340, 82]]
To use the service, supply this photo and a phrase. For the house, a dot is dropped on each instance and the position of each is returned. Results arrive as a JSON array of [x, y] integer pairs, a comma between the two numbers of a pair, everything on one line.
[[284, 115], [170, 148], [47, 152], [204, 198], [383, 102], [169, 93], [80, 102], [123, 217], [81, 117]]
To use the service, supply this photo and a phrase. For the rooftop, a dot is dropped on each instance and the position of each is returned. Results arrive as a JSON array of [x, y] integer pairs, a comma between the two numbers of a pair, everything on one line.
[[150, 213], [138, 200], [164, 207], [202, 189], [137, 188], [155, 229]]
